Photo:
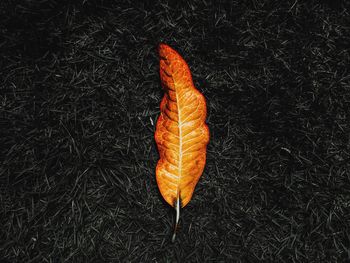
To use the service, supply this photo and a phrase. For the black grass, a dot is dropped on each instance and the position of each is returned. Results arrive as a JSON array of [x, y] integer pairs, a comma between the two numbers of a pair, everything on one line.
[[80, 95]]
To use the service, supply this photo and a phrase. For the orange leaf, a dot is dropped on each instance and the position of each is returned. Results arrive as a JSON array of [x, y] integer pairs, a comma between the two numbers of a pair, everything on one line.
[[181, 133]]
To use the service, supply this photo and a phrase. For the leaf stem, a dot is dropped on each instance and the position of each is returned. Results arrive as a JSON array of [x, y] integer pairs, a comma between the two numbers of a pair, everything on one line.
[[177, 208]]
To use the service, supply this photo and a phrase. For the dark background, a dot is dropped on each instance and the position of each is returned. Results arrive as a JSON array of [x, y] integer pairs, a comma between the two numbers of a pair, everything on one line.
[[80, 95]]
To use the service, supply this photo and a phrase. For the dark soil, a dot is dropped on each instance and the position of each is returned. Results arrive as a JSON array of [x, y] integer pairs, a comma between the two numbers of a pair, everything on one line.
[[80, 95]]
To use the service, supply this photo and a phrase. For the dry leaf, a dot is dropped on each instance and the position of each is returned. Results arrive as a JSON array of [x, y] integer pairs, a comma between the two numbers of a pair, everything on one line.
[[181, 133]]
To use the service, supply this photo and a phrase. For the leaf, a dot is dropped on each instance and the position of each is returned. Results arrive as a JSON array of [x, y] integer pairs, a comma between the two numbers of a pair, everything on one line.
[[181, 132]]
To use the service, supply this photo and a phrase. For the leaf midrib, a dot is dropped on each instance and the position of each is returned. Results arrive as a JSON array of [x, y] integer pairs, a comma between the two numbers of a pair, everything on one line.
[[180, 139]]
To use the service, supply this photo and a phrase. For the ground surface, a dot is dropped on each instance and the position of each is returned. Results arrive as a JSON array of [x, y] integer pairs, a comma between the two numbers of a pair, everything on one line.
[[80, 95]]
